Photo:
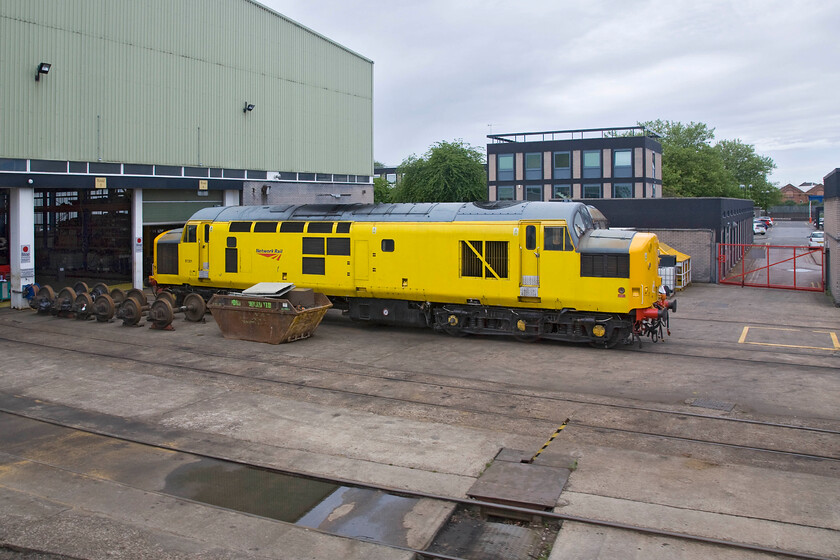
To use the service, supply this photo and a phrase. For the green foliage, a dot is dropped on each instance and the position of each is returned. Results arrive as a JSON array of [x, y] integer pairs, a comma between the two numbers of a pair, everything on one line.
[[692, 166], [382, 190], [447, 172]]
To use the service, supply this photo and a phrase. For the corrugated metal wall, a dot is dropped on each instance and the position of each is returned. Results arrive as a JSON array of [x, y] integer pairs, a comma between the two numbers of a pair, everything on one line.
[[165, 82]]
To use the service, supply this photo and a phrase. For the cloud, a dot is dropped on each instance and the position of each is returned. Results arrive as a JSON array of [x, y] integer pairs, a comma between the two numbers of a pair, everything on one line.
[[762, 71]]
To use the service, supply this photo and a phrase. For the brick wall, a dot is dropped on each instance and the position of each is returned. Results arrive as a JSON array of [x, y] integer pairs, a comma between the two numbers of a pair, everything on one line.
[[831, 227], [699, 244]]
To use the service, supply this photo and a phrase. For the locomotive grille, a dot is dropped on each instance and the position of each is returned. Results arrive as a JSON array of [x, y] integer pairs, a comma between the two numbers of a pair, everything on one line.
[[605, 265], [495, 254], [167, 255]]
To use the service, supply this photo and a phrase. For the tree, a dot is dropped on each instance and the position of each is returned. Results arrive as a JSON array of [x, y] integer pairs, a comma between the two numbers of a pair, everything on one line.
[[750, 170], [382, 190], [690, 165], [447, 172]]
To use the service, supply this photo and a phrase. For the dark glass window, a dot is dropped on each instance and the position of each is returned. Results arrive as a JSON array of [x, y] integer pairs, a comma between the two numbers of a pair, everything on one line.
[[622, 190], [319, 227], [562, 165], [342, 227], [505, 167], [530, 237], [592, 191], [240, 227], [533, 192], [387, 245], [533, 166], [562, 191], [231, 242], [265, 227], [206, 233], [291, 227], [557, 239], [189, 235], [622, 163], [591, 164], [504, 192]]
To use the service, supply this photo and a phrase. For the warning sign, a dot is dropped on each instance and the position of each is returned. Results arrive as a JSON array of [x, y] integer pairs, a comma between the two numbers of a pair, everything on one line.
[[25, 254]]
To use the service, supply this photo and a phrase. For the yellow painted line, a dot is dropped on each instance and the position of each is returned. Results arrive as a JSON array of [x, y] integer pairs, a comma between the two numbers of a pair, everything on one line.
[[776, 329], [834, 340], [792, 346]]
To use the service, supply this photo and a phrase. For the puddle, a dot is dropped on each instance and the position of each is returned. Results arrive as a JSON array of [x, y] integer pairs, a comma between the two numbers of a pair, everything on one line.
[[247, 489], [351, 512]]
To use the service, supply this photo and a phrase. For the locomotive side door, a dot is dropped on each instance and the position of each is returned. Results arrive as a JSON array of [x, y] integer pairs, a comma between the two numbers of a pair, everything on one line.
[[204, 250], [529, 257]]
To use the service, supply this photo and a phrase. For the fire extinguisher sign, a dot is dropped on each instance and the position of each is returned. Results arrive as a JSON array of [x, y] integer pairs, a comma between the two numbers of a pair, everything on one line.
[[25, 254]]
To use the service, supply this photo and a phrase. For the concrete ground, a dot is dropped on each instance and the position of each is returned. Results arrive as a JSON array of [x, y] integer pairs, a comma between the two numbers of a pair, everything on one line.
[[419, 411]]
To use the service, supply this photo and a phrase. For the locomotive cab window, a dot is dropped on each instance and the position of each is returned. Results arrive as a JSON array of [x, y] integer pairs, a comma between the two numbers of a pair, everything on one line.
[[531, 237], [190, 234], [558, 239]]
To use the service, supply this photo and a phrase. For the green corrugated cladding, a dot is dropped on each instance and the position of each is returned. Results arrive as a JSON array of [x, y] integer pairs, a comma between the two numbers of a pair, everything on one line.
[[165, 82]]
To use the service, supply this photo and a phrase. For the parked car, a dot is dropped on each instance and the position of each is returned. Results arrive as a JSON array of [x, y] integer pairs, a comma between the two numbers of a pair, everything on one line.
[[767, 220], [759, 228], [816, 239]]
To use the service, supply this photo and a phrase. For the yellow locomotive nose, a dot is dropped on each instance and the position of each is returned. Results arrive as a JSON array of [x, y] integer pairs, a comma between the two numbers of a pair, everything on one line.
[[599, 330]]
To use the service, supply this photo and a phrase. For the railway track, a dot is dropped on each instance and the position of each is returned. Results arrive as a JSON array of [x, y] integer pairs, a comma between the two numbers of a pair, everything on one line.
[[420, 554], [534, 412]]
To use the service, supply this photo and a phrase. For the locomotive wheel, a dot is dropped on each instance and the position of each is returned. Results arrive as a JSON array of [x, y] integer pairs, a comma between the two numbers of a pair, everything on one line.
[[161, 313], [64, 301], [99, 289], [117, 295], [139, 295], [525, 337], [44, 298], [103, 308], [167, 295], [612, 342], [83, 305], [80, 287], [195, 307], [131, 309]]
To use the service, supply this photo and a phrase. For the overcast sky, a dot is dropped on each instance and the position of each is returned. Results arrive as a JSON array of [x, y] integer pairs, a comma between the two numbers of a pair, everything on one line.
[[764, 71]]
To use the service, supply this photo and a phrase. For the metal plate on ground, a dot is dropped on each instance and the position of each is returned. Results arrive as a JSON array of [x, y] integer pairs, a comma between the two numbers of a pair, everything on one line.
[[520, 484], [269, 289], [713, 404], [474, 539]]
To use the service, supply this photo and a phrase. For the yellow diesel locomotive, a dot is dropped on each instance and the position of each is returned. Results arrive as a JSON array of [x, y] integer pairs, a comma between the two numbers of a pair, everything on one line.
[[528, 269]]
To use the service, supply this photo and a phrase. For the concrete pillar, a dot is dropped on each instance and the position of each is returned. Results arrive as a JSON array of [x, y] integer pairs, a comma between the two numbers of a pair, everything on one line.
[[21, 242], [230, 198], [137, 238]]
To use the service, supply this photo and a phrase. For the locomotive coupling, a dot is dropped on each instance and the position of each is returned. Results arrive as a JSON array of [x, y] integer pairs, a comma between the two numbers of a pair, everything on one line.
[[651, 313]]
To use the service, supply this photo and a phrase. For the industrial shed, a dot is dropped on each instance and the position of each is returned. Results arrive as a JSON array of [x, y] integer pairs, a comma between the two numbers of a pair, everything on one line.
[[120, 119]]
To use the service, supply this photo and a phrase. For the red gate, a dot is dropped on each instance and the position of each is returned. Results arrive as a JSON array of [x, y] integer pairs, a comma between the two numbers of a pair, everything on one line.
[[772, 266]]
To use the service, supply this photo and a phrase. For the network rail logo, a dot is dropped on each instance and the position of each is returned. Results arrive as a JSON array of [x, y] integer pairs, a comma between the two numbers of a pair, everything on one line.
[[273, 254]]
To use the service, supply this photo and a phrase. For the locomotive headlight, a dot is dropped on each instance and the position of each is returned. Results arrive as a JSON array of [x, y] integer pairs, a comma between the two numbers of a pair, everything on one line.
[[599, 330]]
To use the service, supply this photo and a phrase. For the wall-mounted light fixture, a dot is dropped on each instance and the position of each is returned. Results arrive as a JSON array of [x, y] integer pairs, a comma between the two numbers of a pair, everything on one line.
[[43, 68], [248, 107]]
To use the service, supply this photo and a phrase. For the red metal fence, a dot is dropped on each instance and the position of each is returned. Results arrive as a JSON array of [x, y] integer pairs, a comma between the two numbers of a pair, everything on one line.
[[772, 266]]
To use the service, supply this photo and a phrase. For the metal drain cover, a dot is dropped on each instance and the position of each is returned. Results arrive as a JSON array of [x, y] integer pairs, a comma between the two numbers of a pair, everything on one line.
[[713, 404]]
